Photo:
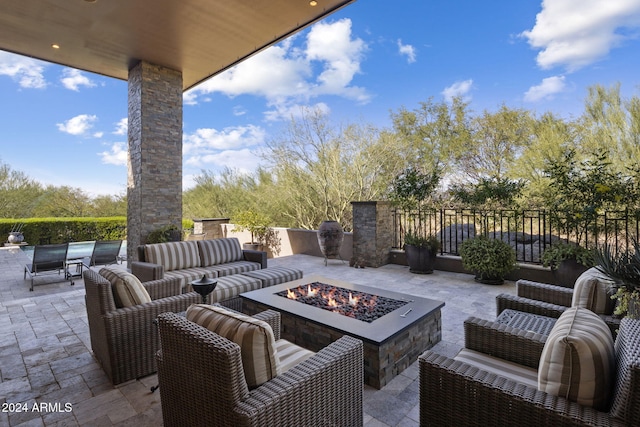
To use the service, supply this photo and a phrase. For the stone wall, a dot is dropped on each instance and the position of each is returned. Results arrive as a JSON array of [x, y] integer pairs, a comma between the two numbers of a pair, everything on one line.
[[154, 181]]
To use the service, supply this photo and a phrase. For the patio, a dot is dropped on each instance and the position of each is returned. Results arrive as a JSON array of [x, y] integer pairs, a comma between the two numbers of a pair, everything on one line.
[[45, 354]]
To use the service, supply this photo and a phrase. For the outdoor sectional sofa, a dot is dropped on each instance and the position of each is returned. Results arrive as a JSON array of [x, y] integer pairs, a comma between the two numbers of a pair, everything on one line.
[[190, 260]]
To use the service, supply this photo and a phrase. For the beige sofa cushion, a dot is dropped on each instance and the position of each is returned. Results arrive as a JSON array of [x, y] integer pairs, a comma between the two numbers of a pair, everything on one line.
[[127, 288], [255, 338], [578, 360], [593, 291], [219, 251], [173, 255]]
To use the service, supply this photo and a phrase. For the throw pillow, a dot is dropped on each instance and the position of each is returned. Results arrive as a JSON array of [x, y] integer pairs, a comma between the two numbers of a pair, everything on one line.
[[127, 288], [255, 337], [577, 360], [593, 291]]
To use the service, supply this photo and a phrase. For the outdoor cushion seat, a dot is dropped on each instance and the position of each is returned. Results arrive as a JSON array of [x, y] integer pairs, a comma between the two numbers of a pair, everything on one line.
[[233, 267], [230, 287], [272, 276]]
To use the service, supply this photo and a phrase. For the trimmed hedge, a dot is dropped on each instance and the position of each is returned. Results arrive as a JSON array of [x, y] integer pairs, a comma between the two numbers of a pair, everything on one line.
[[60, 230]]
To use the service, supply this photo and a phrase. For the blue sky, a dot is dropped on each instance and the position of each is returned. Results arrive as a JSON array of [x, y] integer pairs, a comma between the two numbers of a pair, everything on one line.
[[61, 126]]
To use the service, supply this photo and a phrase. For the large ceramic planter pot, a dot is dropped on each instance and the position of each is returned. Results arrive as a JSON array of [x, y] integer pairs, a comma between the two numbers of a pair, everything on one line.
[[252, 246], [330, 237], [421, 260], [568, 272]]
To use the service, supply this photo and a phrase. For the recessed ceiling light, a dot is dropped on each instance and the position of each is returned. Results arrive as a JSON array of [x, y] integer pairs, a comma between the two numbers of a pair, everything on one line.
[[313, 3], [90, 1], [55, 46]]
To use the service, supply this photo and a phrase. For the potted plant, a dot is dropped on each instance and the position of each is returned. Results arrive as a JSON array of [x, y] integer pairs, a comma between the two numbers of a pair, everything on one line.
[[567, 261], [623, 268], [489, 259], [255, 223], [408, 191], [421, 252]]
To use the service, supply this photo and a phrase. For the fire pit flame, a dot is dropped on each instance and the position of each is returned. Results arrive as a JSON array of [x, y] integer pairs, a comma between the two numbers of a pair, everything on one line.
[[358, 305]]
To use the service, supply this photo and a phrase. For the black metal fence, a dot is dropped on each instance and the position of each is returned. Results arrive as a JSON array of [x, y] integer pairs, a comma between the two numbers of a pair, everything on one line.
[[528, 231]]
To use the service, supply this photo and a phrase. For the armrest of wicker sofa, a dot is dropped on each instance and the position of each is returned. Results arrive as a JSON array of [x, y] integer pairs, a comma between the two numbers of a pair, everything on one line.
[[272, 317], [544, 292], [504, 301], [162, 288], [146, 271], [455, 393], [502, 341], [255, 256]]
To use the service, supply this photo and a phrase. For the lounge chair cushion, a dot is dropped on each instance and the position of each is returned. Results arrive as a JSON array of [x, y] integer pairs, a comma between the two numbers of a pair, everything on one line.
[[173, 255], [290, 354], [578, 360], [127, 288], [219, 251], [518, 373], [255, 338], [593, 291]]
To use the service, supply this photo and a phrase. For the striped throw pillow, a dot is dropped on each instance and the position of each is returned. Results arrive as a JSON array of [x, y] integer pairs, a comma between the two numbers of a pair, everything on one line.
[[256, 340], [578, 360], [127, 289], [173, 255], [219, 251], [593, 291]]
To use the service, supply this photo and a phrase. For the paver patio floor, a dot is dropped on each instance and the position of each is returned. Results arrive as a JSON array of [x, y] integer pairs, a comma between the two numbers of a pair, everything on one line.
[[45, 352]]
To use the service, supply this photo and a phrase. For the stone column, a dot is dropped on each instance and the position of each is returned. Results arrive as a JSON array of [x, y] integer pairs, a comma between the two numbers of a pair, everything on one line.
[[372, 232], [154, 184], [211, 226]]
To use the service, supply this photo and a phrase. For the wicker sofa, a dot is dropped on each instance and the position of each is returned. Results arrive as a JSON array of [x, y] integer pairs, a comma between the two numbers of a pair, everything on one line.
[[190, 260], [203, 382], [125, 340], [453, 392]]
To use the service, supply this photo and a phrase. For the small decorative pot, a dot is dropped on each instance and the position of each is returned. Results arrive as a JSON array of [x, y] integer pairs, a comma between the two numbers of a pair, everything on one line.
[[15, 237]]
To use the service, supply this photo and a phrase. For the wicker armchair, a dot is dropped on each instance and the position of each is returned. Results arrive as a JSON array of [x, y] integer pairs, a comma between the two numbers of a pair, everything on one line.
[[202, 382], [455, 393], [545, 300], [125, 340]]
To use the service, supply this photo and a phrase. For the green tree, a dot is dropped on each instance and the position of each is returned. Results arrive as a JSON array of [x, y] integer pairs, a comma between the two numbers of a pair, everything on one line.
[[17, 193], [321, 168], [496, 141]]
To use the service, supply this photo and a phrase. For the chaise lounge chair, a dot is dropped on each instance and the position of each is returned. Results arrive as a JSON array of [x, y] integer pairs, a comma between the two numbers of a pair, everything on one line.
[[47, 258], [105, 252]]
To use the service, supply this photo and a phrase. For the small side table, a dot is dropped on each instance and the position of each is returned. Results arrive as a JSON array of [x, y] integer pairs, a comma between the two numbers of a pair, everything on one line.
[[527, 321], [69, 272]]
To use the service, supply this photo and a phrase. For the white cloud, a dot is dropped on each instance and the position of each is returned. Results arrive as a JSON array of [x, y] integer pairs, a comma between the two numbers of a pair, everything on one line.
[[77, 125], [408, 50], [287, 73], [27, 72], [286, 112], [205, 143], [72, 79], [117, 155], [576, 33], [122, 127], [243, 160], [546, 89], [460, 88]]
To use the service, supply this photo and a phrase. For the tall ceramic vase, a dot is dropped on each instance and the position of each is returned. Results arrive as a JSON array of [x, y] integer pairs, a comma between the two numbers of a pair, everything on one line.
[[330, 237]]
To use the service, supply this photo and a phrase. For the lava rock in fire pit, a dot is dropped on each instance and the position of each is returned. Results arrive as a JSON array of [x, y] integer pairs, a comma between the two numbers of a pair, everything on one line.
[[358, 305]]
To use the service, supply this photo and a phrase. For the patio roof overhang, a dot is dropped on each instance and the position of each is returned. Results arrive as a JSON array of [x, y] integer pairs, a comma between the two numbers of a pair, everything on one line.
[[200, 38]]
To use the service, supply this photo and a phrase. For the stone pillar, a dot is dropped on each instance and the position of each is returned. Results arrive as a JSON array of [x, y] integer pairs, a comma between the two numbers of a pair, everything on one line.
[[372, 232], [211, 226], [154, 184]]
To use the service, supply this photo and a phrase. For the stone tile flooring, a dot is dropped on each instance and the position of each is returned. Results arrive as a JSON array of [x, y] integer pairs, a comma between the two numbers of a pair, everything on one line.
[[47, 368]]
